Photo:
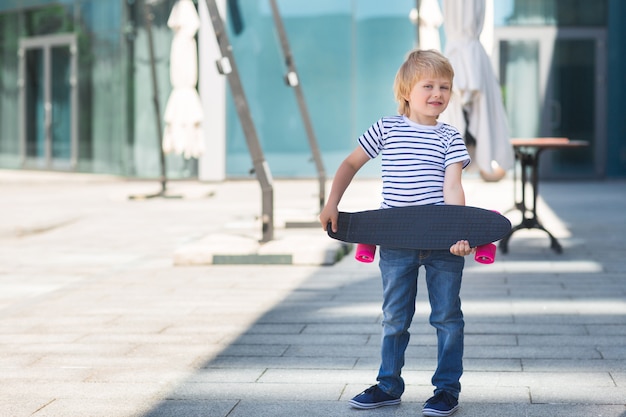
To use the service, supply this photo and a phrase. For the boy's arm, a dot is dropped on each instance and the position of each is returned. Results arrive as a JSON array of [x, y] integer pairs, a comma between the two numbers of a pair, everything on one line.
[[343, 177], [453, 194], [452, 187]]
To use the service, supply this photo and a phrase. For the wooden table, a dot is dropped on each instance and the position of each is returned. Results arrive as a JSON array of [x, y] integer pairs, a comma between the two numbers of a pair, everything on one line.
[[527, 151]]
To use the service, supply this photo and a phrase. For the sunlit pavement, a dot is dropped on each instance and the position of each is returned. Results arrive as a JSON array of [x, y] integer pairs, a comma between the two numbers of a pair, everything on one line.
[[97, 320]]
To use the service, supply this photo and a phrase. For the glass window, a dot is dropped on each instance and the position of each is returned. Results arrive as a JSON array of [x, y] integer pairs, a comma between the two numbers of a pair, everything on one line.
[[117, 125], [519, 66], [346, 53], [15, 5], [574, 70], [9, 91], [51, 19], [550, 13], [102, 87]]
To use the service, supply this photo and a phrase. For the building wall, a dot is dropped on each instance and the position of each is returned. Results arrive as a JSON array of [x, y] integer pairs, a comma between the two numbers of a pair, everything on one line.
[[346, 51], [347, 55], [117, 127], [616, 137]]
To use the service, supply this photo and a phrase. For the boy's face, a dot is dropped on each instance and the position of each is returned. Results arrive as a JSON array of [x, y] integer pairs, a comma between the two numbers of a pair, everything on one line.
[[428, 98]]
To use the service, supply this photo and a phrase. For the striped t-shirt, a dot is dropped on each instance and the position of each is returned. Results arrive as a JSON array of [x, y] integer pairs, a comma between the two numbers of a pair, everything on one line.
[[414, 158]]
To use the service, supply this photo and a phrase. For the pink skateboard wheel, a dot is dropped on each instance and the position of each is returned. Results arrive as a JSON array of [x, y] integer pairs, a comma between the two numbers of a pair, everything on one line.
[[486, 254], [365, 253]]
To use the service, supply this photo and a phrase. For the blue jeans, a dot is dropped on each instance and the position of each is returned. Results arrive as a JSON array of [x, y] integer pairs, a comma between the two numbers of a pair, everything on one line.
[[399, 269]]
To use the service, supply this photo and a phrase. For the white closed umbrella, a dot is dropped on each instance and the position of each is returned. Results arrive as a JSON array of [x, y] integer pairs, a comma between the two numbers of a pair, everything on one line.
[[476, 105], [429, 21], [183, 112]]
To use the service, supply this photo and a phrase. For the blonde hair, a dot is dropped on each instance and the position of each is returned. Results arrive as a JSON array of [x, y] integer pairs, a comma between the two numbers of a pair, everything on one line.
[[418, 65]]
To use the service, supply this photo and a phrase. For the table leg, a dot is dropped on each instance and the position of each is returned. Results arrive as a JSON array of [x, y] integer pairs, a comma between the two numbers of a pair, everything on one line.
[[529, 161], [517, 204]]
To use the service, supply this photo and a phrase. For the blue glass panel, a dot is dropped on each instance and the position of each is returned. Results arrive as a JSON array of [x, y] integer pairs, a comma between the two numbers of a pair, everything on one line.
[[551, 12], [61, 102], [14, 5], [34, 82], [346, 52]]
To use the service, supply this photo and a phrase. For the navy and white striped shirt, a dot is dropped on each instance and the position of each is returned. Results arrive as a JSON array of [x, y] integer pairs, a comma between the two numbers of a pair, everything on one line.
[[414, 158]]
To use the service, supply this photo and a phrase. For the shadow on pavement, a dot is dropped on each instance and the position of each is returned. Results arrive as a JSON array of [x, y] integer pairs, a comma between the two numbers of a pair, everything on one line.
[[544, 332]]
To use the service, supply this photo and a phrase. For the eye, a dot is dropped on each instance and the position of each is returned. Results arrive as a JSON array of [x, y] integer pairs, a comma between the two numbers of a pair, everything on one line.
[[445, 87]]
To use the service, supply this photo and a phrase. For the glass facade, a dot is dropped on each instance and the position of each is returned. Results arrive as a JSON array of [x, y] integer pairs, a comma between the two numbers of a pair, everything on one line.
[[563, 13], [551, 60], [76, 91], [97, 50], [347, 53]]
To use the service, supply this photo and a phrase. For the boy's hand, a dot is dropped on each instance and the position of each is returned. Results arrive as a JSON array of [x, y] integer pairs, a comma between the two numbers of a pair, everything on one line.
[[329, 214], [462, 248]]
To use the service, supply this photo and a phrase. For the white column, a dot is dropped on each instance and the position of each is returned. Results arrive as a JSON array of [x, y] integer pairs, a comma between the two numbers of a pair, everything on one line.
[[212, 89]]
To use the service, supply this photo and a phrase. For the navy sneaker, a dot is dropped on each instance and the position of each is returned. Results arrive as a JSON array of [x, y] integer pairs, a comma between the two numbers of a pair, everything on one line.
[[373, 397], [442, 404]]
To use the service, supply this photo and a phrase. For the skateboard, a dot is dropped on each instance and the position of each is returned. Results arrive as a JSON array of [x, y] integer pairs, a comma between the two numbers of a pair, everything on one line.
[[427, 227]]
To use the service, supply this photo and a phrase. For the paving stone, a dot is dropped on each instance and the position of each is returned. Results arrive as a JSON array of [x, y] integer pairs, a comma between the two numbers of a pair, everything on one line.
[[97, 319]]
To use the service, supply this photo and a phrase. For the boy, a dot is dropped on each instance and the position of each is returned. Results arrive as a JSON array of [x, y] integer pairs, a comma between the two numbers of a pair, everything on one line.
[[422, 162]]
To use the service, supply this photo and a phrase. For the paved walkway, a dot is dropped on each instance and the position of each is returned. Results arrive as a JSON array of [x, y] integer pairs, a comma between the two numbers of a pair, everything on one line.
[[97, 320]]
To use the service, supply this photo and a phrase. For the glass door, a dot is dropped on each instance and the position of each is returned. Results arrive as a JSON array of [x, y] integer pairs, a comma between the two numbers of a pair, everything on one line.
[[48, 120], [553, 84]]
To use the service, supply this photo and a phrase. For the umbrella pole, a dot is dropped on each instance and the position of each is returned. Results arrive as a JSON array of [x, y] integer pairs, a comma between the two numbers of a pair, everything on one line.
[[157, 109], [227, 66], [417, 22], [292, 80]]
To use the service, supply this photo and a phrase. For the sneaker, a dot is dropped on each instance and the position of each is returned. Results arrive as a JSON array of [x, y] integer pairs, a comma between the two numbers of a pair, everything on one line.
[[442, 404], [373, 397]]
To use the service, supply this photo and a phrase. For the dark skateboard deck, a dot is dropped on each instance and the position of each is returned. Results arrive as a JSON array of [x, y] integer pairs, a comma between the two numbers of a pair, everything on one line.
[[433, 227]]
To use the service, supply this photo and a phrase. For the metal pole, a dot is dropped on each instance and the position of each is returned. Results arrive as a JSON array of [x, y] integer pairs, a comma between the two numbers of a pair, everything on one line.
[[417, 22], [227, 66], [155, 95], [292, 80]]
